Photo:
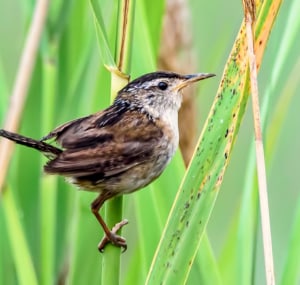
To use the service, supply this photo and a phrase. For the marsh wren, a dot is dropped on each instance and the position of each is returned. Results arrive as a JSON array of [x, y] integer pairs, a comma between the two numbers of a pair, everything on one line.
[[122, 148]]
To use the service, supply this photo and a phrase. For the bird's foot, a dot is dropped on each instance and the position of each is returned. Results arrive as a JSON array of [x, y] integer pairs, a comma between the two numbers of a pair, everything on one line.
[[113, 238]]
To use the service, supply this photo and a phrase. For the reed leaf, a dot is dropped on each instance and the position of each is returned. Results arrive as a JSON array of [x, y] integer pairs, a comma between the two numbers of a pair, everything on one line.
[[196, 197]]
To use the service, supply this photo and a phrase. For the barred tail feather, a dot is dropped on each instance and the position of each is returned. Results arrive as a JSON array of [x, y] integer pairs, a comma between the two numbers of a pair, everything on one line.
[[47, 149]]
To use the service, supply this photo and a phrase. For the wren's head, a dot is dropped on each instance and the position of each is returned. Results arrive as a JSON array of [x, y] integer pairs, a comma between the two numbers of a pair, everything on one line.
[[158, 92]]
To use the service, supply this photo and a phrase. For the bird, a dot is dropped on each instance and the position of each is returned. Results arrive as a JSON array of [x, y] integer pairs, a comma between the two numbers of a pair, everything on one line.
[[120, 149]]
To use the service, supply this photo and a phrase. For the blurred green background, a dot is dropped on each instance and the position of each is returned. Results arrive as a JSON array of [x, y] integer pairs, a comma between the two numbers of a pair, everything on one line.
[[82, 86]]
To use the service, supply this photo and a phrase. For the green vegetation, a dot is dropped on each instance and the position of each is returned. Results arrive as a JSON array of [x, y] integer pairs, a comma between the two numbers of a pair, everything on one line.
[[48, 234]]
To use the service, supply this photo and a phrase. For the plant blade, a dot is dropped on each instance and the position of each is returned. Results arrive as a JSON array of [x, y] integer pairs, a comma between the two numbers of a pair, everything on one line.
[[196, 197]]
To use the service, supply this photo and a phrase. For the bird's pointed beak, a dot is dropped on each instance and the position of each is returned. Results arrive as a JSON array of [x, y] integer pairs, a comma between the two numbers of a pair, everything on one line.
[[188, 79]]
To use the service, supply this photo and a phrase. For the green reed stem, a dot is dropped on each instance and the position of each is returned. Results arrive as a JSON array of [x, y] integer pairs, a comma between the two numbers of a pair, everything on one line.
[[48, 191]]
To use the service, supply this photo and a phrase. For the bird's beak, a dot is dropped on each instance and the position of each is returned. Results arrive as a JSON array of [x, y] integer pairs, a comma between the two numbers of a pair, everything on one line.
[[188, 79]]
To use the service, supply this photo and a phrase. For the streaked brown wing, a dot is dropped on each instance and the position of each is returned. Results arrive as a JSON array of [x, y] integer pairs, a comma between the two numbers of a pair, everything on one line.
[[108, 149], [71, 133], [103, 161], [63, 128]]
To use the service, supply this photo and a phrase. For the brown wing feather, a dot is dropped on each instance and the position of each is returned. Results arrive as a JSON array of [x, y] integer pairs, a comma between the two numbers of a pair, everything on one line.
[[105, 149], [63, 128], [71, 133]]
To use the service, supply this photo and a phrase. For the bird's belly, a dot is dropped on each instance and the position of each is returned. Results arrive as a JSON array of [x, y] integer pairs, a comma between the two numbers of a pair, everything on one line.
[[145, 173], [141, 175]]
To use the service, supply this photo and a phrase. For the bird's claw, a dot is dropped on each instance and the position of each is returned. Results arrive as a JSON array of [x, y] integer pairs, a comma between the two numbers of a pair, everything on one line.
[[113, 238]]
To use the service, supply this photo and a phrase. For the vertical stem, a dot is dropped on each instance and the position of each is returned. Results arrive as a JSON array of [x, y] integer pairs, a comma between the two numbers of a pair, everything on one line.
[[125, 34], [260, 157], [113, 213], [48, 187], [22, 82], [111, 260]]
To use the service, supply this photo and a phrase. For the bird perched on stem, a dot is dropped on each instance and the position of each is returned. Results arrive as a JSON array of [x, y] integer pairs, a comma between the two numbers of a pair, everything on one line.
[[122, 148]]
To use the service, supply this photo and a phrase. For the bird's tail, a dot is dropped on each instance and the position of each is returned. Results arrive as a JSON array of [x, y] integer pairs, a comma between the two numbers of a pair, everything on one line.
[[46, 148]]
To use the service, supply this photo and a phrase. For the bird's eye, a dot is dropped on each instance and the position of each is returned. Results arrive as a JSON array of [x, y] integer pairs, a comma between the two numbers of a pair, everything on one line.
[[162, 85]]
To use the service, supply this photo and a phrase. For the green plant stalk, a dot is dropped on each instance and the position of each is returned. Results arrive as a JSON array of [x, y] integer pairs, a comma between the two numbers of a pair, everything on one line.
[[114, 207], [151, 205], [113, 210], [48, 228], [48, 184], [197, 194], [21, 254], [111, 258]]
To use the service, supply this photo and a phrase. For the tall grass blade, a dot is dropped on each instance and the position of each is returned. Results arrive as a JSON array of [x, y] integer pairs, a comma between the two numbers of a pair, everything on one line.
[[48, 193], [196, 196], [245, 244], [104, 46], [21, 254]]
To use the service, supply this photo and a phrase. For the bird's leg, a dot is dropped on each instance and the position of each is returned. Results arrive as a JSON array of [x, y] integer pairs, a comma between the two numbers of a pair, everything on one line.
[[110, 235]]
